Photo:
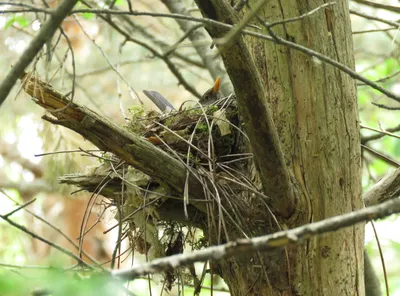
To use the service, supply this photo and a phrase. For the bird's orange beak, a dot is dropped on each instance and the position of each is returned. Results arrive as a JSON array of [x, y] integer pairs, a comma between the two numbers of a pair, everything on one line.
[[217, 85]]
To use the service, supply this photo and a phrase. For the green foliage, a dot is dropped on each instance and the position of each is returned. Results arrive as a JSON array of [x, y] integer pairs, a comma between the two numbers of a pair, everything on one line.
[[19, 19], [57, 283], [202, 127], [11, 284], [87, 15], [382, 70]]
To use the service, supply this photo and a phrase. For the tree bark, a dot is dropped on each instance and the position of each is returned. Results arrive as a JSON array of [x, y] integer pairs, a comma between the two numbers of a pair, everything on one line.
[[314, 110], [302, 121]]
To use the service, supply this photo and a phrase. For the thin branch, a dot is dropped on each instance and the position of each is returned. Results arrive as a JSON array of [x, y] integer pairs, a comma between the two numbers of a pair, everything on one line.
[[238, 28], [113, 66], [143, 30], [381, 156], [18, 266], [166, 59], [150, 48], [305, 15], [189, 32], [212, 64], [334, 63], [379, 5], [374, 30], [59, 231], [42, 239], [219, 25], [263, 243], [381, 133], [382, 259], [132, 92], [383, 79], [374, 18], [29, 8], [46, 33], [20, 208], [385, 107]]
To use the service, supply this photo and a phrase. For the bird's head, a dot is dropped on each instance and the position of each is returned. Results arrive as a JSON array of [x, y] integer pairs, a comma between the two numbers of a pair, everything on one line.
[[213, 94]]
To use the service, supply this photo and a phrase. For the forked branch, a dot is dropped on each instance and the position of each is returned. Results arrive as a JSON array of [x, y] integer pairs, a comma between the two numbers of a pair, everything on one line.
[[108, 136]]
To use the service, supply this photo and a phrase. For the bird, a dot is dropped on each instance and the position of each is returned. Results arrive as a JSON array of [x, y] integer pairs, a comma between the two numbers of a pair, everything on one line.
[[213, 94], [159, 100], [208, 98]]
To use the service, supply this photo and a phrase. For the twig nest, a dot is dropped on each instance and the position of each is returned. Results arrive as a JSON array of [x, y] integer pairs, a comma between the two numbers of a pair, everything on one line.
[[198, 133]]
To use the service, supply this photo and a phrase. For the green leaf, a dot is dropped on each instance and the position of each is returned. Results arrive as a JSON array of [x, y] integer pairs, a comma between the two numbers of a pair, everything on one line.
[[19, 19], [10, 22], [87, 15], [22, 21]]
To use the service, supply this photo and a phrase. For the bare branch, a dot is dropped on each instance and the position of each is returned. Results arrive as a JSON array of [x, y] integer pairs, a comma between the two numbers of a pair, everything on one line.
[[374, 31], [263, 243], [379, 5], [221, 26], [381, 133], [29, 8], [212, 64], [58, 230], [381, 156], [150, 48], [387, 188], [305, 15], [20, 208], [374, 18], [238, 28], [51, 244], [106, 135], [46, 33]]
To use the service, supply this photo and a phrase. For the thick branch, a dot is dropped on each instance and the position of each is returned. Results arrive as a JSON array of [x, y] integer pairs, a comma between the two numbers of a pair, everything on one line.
[[257, 117], [45, 33], [385, 189], [171, 209], [263, 243], [108, 136]]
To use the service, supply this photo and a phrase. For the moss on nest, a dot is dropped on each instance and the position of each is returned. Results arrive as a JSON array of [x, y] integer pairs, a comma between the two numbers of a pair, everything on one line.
[[192, 127]]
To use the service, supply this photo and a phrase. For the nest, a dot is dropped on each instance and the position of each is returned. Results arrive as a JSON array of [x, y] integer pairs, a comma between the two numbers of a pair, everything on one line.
[[196, 135], [207, 140]]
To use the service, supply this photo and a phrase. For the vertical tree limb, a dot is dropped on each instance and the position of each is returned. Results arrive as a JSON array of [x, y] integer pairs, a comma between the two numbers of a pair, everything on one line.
[[253, 104]]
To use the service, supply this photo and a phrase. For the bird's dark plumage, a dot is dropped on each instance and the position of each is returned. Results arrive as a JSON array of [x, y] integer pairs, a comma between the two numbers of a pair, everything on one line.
[[158, 99]]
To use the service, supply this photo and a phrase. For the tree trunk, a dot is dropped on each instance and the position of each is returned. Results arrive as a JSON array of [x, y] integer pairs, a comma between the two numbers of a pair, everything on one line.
[[301, 118], [314, 109]]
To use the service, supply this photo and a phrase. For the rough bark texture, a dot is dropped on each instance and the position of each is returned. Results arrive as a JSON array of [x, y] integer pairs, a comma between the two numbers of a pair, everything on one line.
[[301, 118], [314, 109]]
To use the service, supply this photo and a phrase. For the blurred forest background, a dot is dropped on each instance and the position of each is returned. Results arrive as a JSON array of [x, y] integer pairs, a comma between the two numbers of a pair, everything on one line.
[[110, 76]]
